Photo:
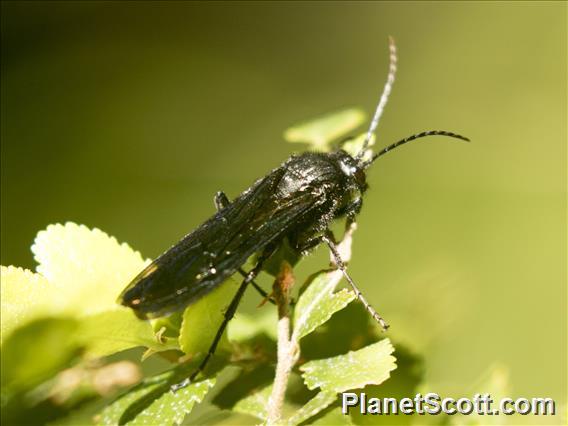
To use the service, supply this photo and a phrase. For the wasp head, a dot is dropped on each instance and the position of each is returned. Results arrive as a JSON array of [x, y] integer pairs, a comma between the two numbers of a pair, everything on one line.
[[352, 169]]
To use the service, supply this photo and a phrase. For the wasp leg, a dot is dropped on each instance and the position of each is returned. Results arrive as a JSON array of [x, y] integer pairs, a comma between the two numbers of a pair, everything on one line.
[[328, 239], [229, 313], [353, 209], [307, 245], [258, 288], [221, 201]]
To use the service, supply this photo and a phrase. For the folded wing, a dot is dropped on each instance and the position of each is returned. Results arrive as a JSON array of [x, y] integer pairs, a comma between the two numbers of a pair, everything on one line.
[[214, 251]]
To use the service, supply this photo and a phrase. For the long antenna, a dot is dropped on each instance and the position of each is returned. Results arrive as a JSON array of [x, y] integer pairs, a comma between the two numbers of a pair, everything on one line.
[[411, 138], [384, 98]]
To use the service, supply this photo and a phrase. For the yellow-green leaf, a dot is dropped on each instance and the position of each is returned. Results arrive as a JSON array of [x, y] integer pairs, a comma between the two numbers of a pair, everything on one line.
[[202, 319], [118, 329], [255, 404], [35, 352], [244, 326], [315, 405], [153, 403], [80, 274], [25, 296], [89, 267], [321, 131], [356, 369], [333, 417], [318, 303]]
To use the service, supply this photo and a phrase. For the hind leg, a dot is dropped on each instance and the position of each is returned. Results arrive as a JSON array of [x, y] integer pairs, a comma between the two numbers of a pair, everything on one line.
[[229, 313]]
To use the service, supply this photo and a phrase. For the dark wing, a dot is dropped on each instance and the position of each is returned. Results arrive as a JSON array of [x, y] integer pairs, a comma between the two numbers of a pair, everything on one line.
[[215, 250]]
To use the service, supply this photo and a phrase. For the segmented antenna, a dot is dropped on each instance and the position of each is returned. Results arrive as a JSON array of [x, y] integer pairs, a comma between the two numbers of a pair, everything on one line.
[[384, 98], [411, 138]]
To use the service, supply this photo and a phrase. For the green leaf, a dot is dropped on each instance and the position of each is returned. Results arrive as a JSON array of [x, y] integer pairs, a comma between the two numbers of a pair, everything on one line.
[[37, 351], [81, 271], [255, 404], [202, 319], [87, 266], [152, 402], [169, 325], [239, 383], [315, 405], [405, 381], [244, 327], [350, 329], [318, 303], [333, 417], [370, 365], [25, 296], [323, 130], [115, 330]]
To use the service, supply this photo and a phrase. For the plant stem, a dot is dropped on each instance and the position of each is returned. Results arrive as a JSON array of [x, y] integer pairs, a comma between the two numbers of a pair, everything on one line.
[[288, 350], [288, 346]]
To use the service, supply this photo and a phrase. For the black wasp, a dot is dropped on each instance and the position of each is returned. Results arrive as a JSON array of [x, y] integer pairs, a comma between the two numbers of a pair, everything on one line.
[[294, 204]]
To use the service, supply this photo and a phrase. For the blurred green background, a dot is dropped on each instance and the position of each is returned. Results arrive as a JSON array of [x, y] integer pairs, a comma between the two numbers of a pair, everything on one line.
[[130, 116]]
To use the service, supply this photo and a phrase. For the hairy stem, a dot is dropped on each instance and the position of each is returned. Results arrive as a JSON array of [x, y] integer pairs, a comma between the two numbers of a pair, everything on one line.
[[288, 350], [288, 347]]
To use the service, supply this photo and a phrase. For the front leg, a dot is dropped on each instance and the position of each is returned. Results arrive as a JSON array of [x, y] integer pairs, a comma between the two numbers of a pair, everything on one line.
[[353, 209], [304, 245], [340, 264]]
